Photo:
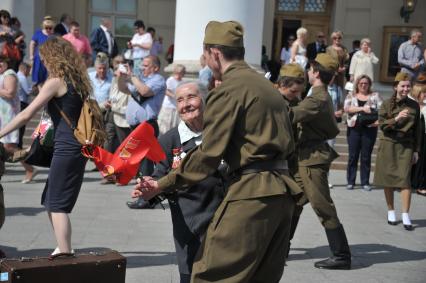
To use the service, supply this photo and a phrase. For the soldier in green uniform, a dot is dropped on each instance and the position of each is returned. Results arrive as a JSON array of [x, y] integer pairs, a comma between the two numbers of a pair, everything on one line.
[[399, 120], [291, 84], [315, 115], [246, 124]]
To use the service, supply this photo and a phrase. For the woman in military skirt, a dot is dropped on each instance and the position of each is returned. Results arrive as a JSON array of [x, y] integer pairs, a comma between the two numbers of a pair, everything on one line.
[[399, 120]]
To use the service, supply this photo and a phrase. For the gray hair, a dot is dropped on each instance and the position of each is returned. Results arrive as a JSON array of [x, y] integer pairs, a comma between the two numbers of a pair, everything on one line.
[[202, 89], [414, 32], [179, 68], [366, 40], [102, 59]]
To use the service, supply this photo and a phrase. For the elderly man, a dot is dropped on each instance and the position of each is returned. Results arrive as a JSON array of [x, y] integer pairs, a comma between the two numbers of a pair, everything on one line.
[[410, 54], [80, 42], [102, 40], [101, 80], [193, 208], [147, 93], [246, 124]]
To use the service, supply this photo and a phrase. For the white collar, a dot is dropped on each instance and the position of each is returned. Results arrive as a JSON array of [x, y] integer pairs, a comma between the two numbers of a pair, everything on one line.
[[186, 133], [104, 28]]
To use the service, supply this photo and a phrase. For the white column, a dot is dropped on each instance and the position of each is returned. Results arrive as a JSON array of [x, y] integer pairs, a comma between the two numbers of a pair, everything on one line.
[[192, 17]]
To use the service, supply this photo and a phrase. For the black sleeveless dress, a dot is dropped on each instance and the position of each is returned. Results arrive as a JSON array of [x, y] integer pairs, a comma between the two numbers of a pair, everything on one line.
[[68, 164]]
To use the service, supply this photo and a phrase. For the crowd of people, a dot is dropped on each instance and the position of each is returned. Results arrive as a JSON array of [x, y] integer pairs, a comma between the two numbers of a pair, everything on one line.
[[242, 147]]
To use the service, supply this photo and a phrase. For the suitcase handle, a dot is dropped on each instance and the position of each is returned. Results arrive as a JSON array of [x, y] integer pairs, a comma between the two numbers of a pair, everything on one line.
[[52, 257]]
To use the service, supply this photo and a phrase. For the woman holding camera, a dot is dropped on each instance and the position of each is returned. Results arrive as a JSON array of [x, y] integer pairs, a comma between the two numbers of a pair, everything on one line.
[[361, 107]]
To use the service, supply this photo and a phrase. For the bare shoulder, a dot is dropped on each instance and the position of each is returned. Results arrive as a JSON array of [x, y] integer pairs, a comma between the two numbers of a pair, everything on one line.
[[56, 85]]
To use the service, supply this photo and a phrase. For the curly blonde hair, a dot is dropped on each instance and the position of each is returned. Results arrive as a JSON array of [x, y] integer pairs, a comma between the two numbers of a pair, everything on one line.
[[62, 61]]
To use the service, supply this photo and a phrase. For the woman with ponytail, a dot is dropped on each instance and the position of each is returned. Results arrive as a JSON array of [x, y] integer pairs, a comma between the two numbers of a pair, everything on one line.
[[399, 120]]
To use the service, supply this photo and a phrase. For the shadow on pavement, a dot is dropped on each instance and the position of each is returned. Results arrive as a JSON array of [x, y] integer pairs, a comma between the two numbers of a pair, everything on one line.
[[363, 255], [26, 211], [141, 259]]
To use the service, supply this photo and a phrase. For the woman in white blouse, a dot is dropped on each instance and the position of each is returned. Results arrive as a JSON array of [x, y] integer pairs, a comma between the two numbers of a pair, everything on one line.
[[362, 131], [298, 48], [362, 61]]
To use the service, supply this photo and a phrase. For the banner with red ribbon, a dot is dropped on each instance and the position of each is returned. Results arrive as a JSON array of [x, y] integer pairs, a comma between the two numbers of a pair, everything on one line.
[[123, 165]]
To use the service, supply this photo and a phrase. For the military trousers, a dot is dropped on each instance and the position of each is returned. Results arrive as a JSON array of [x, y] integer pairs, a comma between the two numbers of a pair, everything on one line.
[[246, 241], [313, 180]]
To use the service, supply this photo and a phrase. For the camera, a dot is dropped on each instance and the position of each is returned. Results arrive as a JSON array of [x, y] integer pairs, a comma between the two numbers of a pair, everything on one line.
[[122, 68]]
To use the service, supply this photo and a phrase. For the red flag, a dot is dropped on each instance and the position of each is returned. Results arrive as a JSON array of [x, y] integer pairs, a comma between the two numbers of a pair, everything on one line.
[[124, 163]]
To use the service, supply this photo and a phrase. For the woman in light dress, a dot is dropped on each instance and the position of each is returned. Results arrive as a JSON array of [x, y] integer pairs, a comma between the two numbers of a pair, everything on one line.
[[362, 61], [298, 48]]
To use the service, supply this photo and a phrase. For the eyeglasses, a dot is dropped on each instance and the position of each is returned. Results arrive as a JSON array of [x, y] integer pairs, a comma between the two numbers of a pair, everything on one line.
[[320, 36]]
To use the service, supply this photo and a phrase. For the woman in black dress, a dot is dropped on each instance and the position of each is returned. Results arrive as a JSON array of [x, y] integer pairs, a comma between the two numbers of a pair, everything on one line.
[[67, 85], [418, 172]]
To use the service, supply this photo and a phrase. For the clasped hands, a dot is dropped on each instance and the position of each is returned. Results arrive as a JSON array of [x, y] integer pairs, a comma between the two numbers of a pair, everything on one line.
[[146, 187]]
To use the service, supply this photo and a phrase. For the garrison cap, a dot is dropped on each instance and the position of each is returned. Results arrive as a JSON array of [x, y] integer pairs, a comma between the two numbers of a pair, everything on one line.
[[292, 70], [227, 34], [327, 61], [401, 76]]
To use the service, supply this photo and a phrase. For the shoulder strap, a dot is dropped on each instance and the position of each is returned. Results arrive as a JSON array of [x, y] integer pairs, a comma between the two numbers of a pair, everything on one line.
[[67, 120]]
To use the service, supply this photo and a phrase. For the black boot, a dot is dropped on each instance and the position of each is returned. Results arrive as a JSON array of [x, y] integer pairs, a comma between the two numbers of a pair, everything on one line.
[[338, 243]]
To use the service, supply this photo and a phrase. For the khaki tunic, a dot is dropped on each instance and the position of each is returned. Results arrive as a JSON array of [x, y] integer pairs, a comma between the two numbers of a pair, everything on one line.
[[398, 141], [317, 124], [245, 121]]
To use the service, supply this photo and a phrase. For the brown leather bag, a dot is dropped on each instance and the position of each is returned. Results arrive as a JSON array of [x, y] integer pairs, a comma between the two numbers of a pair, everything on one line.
[[90, 129]]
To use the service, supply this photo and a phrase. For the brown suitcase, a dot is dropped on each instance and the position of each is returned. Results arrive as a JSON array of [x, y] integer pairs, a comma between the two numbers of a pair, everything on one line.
[[95, 267]]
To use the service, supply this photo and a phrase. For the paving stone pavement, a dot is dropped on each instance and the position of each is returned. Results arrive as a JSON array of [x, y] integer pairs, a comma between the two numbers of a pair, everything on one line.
[[381, 253]]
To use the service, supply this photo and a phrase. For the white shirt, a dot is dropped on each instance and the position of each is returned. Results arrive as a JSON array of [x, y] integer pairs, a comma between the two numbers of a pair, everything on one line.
[[186, 134], [285, 55], [172, 84], [138, 52], [24, 87], [109, 39]]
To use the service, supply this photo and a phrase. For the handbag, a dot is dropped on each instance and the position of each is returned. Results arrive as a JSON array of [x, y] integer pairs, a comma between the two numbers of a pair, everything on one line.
[[366, 119], [41, 150]]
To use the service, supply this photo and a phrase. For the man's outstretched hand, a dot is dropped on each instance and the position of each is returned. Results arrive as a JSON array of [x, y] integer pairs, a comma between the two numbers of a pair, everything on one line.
[[147, 188]]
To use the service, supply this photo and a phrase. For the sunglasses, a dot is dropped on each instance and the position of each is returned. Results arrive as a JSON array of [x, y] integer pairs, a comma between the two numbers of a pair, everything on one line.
[[48, 28], [320, 36]]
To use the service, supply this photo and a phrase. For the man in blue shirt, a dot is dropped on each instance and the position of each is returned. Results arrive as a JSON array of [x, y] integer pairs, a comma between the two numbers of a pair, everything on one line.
[[410, 54], [147, 93]]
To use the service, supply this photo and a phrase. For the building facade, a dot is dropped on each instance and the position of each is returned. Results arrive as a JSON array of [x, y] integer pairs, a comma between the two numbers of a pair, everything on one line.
[[267, 22]]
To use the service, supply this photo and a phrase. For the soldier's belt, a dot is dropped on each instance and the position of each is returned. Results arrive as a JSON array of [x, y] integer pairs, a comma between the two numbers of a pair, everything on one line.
[[261, 166]]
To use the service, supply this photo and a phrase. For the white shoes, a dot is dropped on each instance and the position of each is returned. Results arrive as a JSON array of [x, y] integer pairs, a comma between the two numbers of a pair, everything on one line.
[[57, 251]]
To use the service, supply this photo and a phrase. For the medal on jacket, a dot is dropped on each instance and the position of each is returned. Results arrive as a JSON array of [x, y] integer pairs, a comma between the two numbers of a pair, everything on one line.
[[177, 158]]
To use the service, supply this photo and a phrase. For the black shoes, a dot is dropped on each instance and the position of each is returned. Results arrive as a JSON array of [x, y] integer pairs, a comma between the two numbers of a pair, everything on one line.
[[339, 247], [408, 227], [392, 222], [140, 203], [334, 263]]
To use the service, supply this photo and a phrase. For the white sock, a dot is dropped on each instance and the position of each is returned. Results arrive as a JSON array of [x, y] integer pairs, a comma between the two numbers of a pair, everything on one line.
[[406, 219], [391, 215]]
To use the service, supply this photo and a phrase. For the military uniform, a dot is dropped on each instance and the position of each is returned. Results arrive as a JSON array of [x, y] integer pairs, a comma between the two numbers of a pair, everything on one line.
[[398, 141], [315, 115], [317, 123], [245, 124]]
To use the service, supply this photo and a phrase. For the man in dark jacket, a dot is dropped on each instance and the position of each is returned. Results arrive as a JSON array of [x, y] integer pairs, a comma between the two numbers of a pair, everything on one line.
[[316, 47], [102, 40]]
